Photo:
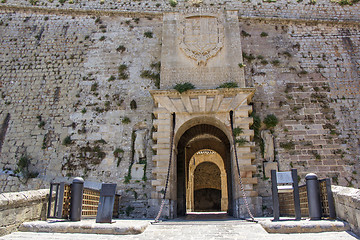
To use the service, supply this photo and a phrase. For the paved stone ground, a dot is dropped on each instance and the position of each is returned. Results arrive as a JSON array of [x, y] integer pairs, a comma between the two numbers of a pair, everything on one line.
[[193, 228]]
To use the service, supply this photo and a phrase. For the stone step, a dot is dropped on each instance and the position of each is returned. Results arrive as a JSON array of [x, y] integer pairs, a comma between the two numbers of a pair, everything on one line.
[[118, 227], [303, 226]]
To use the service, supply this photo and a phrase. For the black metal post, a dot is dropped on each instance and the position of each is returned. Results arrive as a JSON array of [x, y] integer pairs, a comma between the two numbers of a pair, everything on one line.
[[50, 198], [77, 189], [275, 196], [313, 193]]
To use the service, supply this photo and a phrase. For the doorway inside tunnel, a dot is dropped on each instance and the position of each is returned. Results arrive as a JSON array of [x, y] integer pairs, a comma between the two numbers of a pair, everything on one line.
[[203, 170]]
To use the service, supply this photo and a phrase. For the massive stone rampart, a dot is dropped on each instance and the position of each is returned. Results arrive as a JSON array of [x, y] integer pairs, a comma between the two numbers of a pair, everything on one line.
[[74, 90]]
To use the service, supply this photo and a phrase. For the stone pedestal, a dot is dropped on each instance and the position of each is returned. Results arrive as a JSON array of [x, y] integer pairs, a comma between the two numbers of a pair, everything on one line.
[[268, 166], [137, 171]]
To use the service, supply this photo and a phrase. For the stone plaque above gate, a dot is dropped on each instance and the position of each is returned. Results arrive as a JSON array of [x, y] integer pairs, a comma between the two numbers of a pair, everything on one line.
[[201, 37], [201, 46]]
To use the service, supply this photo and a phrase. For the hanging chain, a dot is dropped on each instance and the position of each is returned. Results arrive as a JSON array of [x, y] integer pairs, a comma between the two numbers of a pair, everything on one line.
[[238, 168], [169, 168]]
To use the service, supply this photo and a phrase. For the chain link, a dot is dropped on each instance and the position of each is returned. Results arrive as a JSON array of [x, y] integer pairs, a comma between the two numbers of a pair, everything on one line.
[[238, 169], [169, 168], [237, 166]]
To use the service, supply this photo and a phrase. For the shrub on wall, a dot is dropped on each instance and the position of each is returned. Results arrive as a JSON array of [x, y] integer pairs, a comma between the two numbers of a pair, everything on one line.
[[173, 3], [270, 121], [183, 87], [228, 85]]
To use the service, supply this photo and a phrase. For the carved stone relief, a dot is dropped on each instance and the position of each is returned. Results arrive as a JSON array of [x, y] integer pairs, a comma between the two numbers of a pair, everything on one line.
[[269, 145], [139, 145], [201, 37]]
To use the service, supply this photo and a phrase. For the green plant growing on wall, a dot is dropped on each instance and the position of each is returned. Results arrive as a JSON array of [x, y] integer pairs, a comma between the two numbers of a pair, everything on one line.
[[237, 131], [288, 145], [125, 120], [173, 3], [183, 87], [41, 124], [264, 62], [256, 125], [156, 66], [241, 65], [144, 178], [348, 2], [148, 34], [275, 62], [245, 34], [98, 20], [67, 141], [128, 176], [303, 72], [107, 105], [241, 141], [153, 75], [111, 78], [317, 155], [118, 152], [270, 121], [23, 168], [102, 38], [33, 2], [249, 57], [123, 71], [129, 210], [121, 49], [94, 87], [263, 34], [228, 85]]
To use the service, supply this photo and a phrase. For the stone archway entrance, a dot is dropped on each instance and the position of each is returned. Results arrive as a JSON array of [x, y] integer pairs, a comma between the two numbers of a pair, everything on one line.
[[202, 122]]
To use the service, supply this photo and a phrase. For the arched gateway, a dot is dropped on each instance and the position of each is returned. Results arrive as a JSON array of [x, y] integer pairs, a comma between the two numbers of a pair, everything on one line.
[[202, 123], [202, 47]]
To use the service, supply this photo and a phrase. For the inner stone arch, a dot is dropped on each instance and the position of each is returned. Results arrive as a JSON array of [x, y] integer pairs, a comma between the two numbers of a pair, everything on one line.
[[206, 187], [192, 144]]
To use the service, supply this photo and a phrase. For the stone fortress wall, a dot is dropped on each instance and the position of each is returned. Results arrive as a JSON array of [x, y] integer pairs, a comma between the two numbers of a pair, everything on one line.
[[66, 105]]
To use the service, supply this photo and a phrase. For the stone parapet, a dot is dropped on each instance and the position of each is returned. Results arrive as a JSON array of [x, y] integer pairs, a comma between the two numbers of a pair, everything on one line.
[[281, 9], [18, 207], [347, 205]]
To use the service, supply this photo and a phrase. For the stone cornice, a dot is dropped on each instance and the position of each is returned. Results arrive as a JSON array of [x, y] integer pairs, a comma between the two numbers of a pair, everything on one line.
[[202, 100], [207, 92]]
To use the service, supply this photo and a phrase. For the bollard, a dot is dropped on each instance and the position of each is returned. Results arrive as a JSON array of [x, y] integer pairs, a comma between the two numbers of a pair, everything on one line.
[[76, 199], [313, 194]]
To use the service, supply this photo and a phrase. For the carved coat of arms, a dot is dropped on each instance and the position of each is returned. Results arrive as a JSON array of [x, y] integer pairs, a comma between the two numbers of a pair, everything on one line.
[[201, 37]]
